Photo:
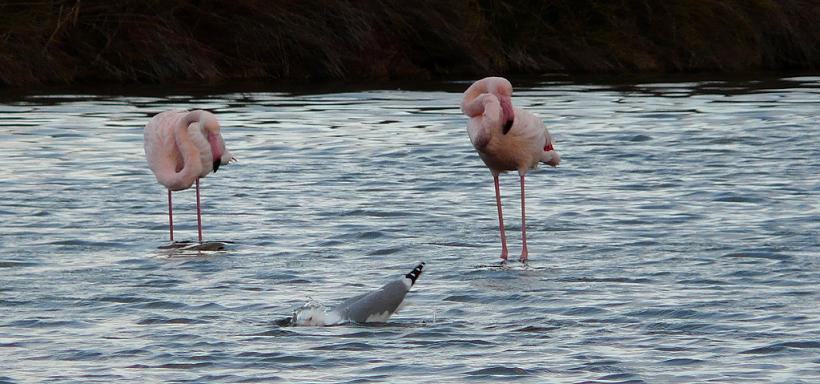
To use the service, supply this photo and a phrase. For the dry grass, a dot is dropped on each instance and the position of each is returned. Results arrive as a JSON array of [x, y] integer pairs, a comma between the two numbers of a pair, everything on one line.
[[69, 41]]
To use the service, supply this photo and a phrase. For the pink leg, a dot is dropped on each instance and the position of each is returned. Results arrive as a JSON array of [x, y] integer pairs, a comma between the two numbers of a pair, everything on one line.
[[500, 219], [170, 217], [198, 212], [524, 252]]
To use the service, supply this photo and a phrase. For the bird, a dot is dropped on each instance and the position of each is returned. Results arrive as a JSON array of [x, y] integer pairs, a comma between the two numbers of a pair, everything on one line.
[[378, 305], [372, 307], [507, 139], [181, 147]]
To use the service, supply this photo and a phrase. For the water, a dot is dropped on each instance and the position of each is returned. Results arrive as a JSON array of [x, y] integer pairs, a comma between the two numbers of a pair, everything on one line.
[[677, 241]]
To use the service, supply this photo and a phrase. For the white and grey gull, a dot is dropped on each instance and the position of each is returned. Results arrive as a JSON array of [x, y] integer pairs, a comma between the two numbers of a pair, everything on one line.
[[375, 306]]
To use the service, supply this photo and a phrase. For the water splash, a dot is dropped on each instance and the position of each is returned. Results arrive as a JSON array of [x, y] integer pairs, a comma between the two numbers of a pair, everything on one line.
[[315, 314]]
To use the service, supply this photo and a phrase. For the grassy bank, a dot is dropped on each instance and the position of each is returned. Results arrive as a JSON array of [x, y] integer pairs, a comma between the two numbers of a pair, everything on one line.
[[71, 41]]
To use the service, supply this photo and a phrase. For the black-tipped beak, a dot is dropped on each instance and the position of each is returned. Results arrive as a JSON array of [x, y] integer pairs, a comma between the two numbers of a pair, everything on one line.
[[217, 163], [507, 125]]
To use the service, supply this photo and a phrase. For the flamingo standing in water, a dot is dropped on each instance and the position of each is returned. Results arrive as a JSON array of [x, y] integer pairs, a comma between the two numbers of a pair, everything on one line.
[[181, 147], [507, 139]]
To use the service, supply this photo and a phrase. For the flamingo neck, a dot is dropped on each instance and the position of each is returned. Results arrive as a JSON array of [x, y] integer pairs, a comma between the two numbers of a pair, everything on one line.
[[189, 141]]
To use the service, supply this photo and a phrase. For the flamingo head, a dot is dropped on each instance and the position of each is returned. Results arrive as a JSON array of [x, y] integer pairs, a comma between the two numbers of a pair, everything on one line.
[[507, 113], [219, 153], [502, 89], [217, 148]]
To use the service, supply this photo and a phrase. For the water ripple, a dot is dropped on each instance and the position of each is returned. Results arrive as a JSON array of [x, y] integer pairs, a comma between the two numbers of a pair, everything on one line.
[[677, 241]]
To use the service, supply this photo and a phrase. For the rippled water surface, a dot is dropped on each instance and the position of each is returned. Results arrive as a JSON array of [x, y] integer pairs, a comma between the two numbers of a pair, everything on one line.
[[677, 241]]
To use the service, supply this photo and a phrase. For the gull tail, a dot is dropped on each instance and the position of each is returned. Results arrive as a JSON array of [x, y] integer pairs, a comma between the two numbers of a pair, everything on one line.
[[415, 273]]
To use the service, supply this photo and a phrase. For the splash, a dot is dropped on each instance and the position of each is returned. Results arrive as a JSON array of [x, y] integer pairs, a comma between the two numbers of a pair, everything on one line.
[[315, 314]]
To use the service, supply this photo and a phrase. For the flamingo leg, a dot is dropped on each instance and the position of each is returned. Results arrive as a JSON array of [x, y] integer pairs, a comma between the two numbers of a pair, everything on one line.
[[198, 212], [500, 219], [524, 252], [170, 217]]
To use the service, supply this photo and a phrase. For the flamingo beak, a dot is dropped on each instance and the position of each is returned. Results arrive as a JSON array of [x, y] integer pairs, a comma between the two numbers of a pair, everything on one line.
[[507, 113], [507, 125], [216, 151]]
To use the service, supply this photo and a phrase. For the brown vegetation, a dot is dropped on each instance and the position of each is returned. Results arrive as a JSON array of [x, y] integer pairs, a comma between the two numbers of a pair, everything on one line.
[[71, 41]]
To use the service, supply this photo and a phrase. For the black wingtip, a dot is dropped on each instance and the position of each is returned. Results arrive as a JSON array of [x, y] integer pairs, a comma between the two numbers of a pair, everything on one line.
[[415, 273], [507, 126]]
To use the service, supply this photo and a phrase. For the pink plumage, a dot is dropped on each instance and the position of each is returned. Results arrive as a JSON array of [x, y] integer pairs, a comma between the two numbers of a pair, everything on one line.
[[506, 139], [181, 147]]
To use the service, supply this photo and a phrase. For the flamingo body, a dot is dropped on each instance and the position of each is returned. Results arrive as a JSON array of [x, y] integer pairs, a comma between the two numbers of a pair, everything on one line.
[[521, 149], [181, 147], [506, 139]]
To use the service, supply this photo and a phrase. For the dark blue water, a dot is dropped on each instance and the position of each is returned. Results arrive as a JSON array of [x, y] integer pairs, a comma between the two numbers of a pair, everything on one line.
[[676, 243]]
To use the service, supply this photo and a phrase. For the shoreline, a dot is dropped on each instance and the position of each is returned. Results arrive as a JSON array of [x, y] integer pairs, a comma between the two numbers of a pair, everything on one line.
[[70, 42], [753, 79]]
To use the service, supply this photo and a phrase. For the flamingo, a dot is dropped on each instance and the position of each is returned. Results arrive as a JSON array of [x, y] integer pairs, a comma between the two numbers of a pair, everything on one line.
[[506, 139], [181, 147]]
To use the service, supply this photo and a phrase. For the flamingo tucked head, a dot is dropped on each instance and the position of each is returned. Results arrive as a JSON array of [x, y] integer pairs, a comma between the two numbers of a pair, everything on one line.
[[217, 148], [502, 89], [219, 153], [507, 113]]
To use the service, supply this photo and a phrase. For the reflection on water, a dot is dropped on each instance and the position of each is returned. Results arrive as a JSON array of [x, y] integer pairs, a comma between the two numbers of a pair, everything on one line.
[[677, 241]]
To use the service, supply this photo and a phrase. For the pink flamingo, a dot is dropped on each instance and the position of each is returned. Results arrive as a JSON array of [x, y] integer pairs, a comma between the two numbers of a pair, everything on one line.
[[181, 147], [507, 139]]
